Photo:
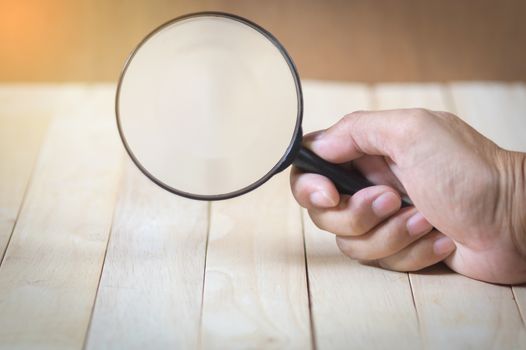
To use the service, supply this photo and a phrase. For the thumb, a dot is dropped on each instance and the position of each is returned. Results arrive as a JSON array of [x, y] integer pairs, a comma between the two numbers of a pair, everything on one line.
[[383, 133]]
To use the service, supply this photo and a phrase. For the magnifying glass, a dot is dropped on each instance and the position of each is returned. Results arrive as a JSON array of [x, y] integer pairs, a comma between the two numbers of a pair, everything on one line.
[[209, 106]]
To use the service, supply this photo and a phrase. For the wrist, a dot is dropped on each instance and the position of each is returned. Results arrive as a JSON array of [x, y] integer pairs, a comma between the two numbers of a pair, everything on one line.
[[515, 177]]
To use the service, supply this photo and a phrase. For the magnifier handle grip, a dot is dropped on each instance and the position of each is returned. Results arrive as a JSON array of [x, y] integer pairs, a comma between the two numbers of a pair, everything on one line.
[[346, 181]]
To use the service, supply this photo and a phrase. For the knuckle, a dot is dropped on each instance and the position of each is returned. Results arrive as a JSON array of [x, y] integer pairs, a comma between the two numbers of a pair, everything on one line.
[[355, 225], [392, 265], [298, 197], [390, 246], [446, 115], [414, 122], [410, 265], [385, 264], [317, 220], [396, 235], [419, 112], [407, 263], [348, 248], [295, 190], [359, 218], [346, 121], [352, 115], [302, 187], [349, 119], [417, 119]]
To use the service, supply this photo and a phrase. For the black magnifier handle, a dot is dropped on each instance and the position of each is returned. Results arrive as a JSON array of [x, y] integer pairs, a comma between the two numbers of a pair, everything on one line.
[[346, 181]]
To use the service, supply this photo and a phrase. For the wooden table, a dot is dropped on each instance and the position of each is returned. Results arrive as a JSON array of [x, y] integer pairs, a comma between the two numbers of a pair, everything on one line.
[[96, 256]]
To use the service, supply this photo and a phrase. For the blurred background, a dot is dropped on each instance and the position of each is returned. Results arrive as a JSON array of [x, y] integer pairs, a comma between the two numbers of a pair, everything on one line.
[[354, 40]]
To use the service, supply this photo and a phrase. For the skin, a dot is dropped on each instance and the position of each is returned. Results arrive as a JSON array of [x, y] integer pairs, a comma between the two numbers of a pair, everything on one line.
[[469, 195]]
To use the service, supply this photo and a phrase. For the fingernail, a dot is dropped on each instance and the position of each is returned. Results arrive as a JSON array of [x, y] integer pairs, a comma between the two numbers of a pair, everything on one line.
[[322, 199], [417, 225], [443, 245], [387, 203]]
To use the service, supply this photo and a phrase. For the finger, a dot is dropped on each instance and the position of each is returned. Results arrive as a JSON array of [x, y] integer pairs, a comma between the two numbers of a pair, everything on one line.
[[387, 239], [313, 190], [358, 214], [386, 133], [426, 251], [377, 171]]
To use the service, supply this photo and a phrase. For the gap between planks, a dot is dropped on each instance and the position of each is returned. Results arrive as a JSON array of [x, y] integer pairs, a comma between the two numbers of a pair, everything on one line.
[[209, 214], [48, 278], [352, 303], [341, 101], [441, 326], [377, 104], [23, 126], [311, 319], [150, 291], [498, 111], [255, 291], [85, 342]]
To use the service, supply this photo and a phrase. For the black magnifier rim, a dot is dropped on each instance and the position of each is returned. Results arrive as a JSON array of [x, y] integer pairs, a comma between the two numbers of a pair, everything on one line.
[[292, 147]]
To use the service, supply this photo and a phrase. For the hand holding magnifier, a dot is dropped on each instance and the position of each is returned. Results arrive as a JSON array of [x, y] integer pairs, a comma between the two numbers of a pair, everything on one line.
[[209, 106]]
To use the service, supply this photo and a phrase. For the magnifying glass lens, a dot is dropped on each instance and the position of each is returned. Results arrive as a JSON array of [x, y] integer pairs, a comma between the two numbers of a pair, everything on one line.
[[207, 106]]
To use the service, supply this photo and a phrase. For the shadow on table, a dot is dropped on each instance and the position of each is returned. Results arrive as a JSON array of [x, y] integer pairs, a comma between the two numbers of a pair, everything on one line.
[[320, 259], [435, 270]]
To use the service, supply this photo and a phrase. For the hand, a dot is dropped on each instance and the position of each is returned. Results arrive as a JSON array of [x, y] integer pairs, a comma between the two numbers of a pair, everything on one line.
[[469, 194]]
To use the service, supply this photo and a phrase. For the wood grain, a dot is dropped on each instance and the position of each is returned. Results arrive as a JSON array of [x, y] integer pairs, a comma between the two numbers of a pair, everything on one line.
[[151, 286], [24, 115], [454, 311], [25, 112], [52, 266], [353, 305], [496, 110], [499, 112], [255, 292]]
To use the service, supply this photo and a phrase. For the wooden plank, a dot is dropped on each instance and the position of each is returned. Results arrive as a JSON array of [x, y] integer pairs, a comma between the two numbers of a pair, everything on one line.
[[52, 266], [352, 305], [455, 311], [497, 111], [24, 115], [151, 286], [39, 100], [392, 96], [255, 293]]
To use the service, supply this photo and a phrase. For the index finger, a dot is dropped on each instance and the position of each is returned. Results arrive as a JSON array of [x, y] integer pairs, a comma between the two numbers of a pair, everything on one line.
[[383, 133]]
